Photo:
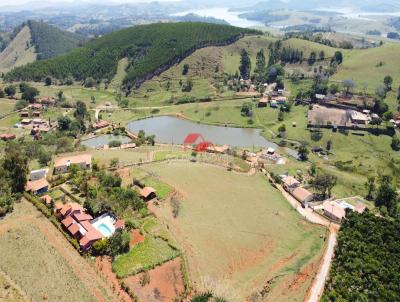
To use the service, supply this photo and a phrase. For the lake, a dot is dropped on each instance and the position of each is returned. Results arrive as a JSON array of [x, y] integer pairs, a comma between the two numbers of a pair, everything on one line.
[[232, 17], [101, 140], [172, 130]]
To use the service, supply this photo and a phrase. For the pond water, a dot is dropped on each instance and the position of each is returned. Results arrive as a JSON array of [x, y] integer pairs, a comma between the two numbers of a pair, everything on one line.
[[172, 130], [101, 140]]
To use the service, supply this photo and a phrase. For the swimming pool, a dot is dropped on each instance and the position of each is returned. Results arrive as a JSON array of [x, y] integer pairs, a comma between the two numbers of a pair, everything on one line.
[[104, 224], [104, 229]]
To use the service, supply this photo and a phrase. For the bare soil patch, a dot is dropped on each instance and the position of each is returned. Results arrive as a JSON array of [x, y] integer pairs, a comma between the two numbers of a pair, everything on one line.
[[166, 283]]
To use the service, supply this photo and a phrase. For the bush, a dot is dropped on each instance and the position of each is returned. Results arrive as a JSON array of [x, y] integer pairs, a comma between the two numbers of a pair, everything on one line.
[[114, 144], [176, 206]]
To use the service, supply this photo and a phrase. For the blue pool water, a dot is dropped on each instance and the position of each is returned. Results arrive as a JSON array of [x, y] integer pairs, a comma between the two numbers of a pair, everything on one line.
[[104, 229]]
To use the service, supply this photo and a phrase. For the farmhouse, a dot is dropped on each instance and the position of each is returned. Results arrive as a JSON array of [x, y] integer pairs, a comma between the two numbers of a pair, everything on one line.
[[148, 193], [263, 102], [38, 174], [336, 209], [37, 186], [46, 101], [290, 183], [7, 136], [83, 227], [61, 165], [24, 114], [100, 125], [303, 195], [359, 117]]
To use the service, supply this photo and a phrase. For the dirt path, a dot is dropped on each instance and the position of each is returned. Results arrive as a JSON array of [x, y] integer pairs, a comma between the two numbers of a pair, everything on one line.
[[318, 285]]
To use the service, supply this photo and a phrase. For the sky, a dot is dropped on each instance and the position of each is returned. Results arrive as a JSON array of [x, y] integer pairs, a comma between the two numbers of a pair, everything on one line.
[[5, 3]]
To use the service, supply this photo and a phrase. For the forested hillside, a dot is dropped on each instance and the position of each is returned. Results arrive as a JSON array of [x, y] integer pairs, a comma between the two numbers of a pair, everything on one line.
[[150, 50], [50, 41], [366, 265]]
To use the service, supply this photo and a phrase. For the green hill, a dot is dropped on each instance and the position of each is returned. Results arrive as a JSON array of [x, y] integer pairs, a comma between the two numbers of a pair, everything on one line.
[[150, 50], [36, 41], [50, 41]]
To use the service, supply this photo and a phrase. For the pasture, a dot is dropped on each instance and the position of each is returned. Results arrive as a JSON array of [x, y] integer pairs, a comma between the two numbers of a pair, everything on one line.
[[42, 263], [239, 234]]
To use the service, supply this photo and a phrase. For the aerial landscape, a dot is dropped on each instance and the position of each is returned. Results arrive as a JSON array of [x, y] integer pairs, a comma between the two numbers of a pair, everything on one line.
[[194, 151]]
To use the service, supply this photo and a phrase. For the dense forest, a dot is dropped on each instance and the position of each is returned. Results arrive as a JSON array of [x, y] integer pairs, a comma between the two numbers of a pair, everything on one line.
[[50, 41], [149, 48], [366, 266]]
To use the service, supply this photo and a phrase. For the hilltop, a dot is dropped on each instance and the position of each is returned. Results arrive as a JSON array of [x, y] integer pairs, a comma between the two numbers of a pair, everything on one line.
[[150, 49], [36, 41]]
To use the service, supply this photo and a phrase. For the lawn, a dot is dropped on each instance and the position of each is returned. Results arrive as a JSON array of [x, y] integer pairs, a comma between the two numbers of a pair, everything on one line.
[[37, 257], [144, 256], [238, 232], [6, 106]]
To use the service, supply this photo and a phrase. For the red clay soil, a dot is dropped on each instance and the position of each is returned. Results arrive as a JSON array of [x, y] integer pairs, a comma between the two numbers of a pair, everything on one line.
[[136, 238], [165, 283], [103, 265]]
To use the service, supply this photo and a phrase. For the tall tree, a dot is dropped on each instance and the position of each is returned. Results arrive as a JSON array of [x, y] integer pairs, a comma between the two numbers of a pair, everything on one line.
[[386, 195], [388, 81], [81, 110], [245, 65], [324, 184], [260, 66], [15, 164]]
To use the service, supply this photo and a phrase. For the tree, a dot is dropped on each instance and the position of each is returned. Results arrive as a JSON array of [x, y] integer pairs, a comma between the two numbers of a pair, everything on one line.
[[303, 152], [380, 107], [21, 104], [81, 110], [324, 183], [188, 86], [338, 57], [114, 162], [64, 123], [348, 86], [321, 55], [395, 144], [370, 185], [388, 81], [312, 58], [15, 164], [386, 195], [398, 94], [118, 243], [260, 66], [381, 91], [247, 109], [30, 94], [185, 69], [10, 90], [44, 157], [245, 65], [47, 81], [329, 145]]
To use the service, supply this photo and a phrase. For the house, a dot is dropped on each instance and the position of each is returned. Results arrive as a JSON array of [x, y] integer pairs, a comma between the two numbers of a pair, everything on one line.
[[128, 146], [61, 165], [24, 114], [38, 174], [38, 121], [36, 106], [281, 91], [26, 121], [7, 136], [218, 149], [37, 186], [270, 151], [100, 124], [47, 199], [334, 211], [358, 117], [303, 195], [290, 183], [274, 104], [263, 102], [148, 193], [46, 101], [36, 113]]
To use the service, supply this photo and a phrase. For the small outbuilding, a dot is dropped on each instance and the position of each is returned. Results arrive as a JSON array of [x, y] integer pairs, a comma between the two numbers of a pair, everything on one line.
[[37, 186]]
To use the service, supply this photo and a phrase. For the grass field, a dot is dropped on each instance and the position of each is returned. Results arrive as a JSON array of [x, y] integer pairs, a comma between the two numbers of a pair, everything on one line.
[[144, 256], [36, 256], [6, 106], [238, 233]]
